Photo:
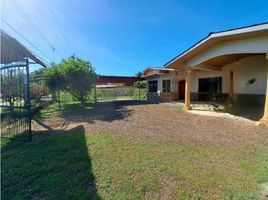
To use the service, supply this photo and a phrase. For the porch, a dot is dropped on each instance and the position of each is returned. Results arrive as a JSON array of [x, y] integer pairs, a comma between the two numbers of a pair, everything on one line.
[[242, 88], [239, 57]]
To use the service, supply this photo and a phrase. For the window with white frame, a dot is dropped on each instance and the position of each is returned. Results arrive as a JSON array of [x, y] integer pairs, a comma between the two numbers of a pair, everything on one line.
[[166, 85]]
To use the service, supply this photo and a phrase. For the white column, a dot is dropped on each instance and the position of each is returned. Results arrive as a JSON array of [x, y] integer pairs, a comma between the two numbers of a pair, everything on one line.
[[159, 86], [264, 120]]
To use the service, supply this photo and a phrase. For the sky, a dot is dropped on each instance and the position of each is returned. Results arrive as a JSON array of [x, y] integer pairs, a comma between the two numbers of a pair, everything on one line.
[[123, 37]]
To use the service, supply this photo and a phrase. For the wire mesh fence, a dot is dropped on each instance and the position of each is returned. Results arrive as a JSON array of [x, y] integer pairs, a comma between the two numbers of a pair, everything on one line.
[[125, 93]]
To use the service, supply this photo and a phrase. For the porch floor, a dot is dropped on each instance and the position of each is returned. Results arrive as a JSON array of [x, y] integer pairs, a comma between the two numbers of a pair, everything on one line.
[[216, 110]]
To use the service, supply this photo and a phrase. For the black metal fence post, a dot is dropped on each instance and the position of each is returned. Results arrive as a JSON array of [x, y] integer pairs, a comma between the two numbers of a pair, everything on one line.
[[28, 99]]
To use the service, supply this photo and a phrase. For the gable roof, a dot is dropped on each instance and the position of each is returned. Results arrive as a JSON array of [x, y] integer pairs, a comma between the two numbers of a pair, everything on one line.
[[216, 37], [155, 71]]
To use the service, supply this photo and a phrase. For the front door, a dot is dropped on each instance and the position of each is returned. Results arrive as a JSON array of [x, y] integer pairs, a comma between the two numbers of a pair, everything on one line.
[[181, 89]]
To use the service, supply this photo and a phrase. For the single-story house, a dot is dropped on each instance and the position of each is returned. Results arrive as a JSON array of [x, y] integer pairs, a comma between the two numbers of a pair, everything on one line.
[[229, 66], [163, 84]]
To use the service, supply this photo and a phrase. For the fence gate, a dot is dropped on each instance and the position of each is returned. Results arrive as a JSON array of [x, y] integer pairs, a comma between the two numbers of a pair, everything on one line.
[[15, 101]]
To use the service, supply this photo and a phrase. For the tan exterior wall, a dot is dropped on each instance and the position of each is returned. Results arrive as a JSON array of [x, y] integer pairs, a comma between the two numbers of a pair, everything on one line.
[[174, 77]]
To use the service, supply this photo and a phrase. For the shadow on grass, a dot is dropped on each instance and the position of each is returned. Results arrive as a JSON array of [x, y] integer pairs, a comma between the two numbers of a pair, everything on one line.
[[112, 110], [68, 108], [56, 165], [107, 111]]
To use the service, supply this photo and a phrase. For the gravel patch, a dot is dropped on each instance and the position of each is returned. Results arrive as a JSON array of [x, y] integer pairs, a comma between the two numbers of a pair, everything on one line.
[[142, 120]]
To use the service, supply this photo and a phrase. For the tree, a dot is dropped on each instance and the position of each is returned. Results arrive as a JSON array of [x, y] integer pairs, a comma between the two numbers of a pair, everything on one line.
[[12, 88], [54, 79], [139, 74], [74, 75], [140, 84]]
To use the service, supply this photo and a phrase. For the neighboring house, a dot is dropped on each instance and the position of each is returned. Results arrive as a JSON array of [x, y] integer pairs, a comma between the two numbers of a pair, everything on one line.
[[163, 83], [229, 65]]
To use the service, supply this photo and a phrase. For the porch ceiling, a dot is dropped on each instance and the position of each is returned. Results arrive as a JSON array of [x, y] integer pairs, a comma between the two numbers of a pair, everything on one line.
[[215, 64], [227, 59]]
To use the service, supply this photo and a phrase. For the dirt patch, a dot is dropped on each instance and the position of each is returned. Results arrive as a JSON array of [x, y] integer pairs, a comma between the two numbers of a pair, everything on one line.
[[142, 120], [264, 193]]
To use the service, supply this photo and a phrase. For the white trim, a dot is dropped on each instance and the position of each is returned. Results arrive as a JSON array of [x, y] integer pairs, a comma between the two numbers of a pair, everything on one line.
[[222, 34], [240, 31]]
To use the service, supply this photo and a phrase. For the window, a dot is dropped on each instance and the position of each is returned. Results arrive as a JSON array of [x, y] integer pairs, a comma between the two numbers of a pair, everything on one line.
[[209, 89], [212, 85], [166, 85], [152, 86]]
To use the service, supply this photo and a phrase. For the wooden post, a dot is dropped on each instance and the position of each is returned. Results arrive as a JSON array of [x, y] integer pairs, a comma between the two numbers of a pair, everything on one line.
[[59, 99], [139, 90], [264, 120], [231, 87], [187, 105], [95, 93]]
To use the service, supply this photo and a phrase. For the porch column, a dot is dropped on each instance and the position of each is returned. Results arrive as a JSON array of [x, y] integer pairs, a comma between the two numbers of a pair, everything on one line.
[[187, 105], [231, 89], [264, 120]]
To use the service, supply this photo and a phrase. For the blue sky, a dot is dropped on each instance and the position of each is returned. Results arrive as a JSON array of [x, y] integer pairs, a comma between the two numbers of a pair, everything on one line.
[[122, 37]]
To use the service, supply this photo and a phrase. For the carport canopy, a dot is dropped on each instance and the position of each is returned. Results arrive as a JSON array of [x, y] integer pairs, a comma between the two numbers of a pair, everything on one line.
[[117, 79], [13, 51]]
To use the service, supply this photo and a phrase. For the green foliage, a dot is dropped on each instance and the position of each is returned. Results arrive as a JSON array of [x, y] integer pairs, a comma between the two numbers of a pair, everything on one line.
[[139, 74], [74, 75], [141, 84], [251, 81]]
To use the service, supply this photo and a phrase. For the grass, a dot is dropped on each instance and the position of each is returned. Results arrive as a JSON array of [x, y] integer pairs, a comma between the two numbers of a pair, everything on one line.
[[66, 165]]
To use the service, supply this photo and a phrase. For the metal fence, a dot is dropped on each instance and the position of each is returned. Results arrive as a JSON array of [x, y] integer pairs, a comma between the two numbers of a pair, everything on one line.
[[15, 101], [120, 93], [41, 95], [23, 96]]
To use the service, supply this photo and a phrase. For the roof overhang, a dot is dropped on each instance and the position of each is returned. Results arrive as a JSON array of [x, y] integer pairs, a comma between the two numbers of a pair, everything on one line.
[[217, 37], [153, 71], [14, 51]]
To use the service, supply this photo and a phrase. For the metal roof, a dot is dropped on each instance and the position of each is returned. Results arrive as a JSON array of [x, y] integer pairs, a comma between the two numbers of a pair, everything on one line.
[[13, 51], [117, 79]]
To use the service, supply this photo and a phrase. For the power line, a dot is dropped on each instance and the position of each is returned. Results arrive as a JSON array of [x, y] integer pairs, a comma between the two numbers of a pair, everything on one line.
[[57, 24], [55, 31], [26, 39], [24, 14]]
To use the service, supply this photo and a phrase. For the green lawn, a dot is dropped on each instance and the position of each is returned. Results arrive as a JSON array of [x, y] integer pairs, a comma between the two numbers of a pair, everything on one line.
[[66, 165]]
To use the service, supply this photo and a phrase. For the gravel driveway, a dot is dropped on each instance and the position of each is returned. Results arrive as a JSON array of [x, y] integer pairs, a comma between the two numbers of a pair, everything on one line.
[[143, 120]]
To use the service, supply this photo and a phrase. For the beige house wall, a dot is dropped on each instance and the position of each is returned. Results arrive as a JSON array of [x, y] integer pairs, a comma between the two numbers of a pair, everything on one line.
[[246, 69], [253, 67], [174, 77]]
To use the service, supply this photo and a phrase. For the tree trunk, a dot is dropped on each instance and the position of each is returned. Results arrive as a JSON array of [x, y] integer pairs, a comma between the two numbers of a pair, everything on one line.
[[82, 98]]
